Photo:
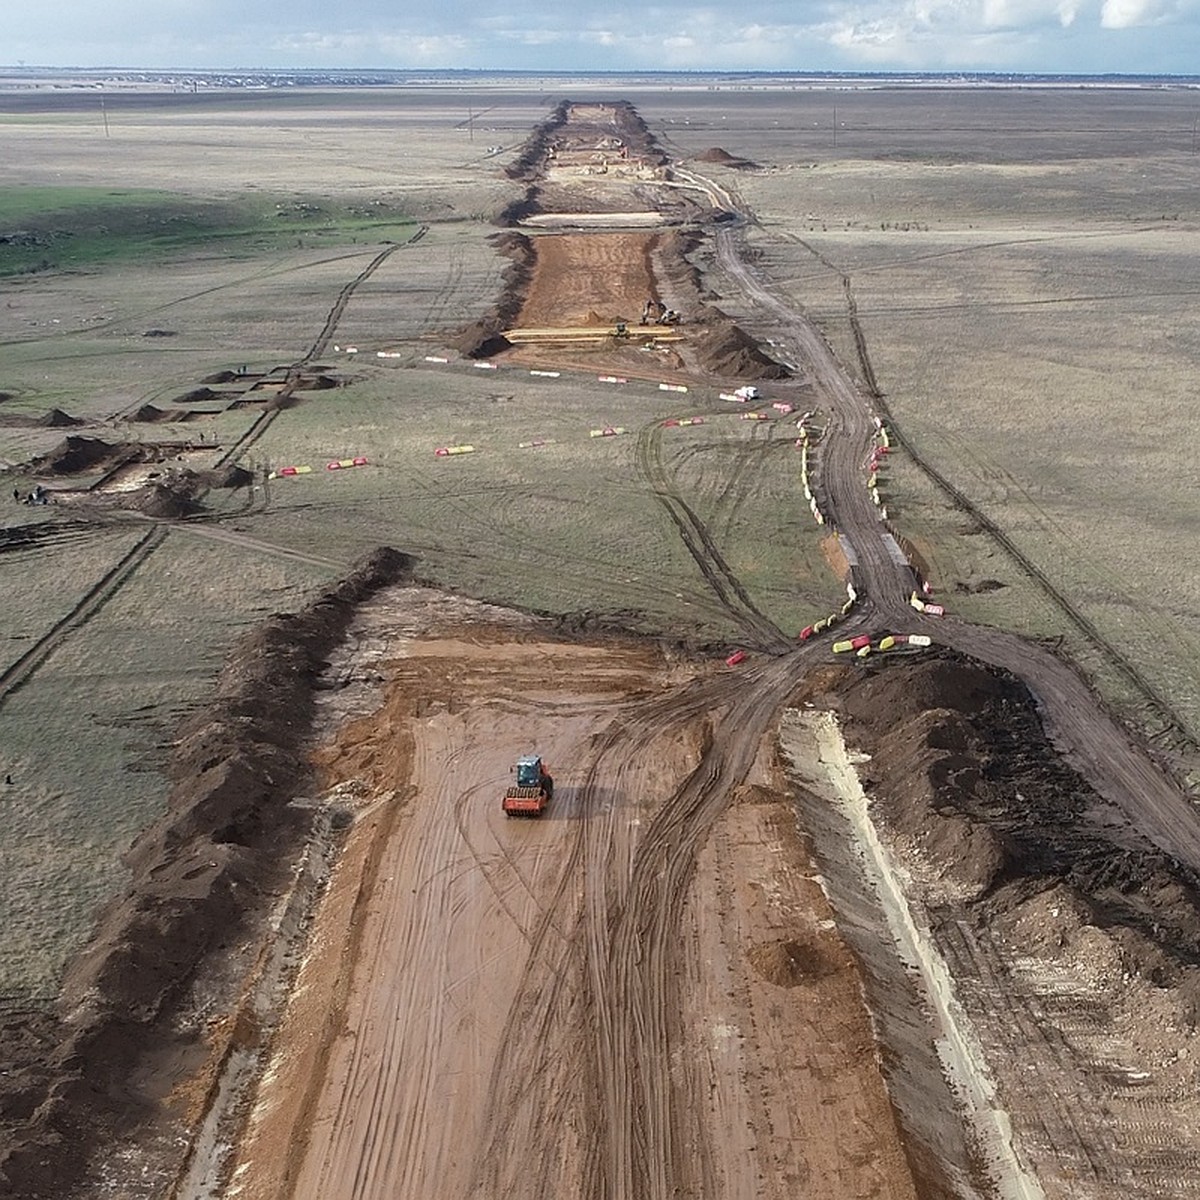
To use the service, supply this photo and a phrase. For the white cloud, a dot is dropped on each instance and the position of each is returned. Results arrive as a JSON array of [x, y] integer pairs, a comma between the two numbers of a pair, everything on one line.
[[1012, 14], [1031, 35], [1128, 14]]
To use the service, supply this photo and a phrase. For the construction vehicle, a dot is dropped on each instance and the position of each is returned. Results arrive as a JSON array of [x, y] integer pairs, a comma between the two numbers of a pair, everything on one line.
[[532, 791], [655, 312]]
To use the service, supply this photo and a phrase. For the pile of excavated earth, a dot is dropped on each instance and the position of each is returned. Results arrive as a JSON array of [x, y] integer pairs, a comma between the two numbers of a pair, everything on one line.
[[795, 930]]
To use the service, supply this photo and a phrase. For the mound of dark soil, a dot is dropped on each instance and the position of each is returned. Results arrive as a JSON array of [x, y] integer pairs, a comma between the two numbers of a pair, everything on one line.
[[75, 454], [173, 496], [723, 158], [159, 333], [4, 396], [727, 350], [57, 419], [962, 770], [153, 414], [228, 476], [54, 419], [530, 162], [201, 395], [518, 210], [203, 881]]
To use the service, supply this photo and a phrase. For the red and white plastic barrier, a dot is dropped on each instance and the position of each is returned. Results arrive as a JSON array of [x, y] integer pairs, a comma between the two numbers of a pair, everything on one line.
[[612, 379], [450, 451], [672, 387], [288, 472], [608, 431]]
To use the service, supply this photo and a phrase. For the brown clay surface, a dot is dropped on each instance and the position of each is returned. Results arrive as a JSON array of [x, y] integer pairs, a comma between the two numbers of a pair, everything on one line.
[[604, 275], [574, 1006], [643, 994]]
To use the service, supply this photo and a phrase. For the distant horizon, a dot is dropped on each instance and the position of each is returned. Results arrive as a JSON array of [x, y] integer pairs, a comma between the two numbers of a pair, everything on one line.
[[637, 72]]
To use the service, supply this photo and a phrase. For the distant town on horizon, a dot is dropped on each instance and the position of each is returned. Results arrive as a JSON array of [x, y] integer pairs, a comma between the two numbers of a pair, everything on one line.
[[260, 77]]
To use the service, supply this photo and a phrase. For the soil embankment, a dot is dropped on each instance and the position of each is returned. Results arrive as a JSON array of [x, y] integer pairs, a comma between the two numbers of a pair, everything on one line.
[[170, 954]]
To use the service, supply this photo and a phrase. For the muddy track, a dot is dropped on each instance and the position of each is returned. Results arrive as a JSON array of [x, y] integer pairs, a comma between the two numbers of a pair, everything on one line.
[[49, 535], [760, 631], [215, 533], [606, 980], [1150, 696], [502, 538], [266, 418], [1114, 761]]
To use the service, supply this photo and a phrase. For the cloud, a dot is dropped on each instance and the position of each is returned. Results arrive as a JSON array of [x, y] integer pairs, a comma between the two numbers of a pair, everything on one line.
[[1128, 14], [1015, 14], [547, 35]]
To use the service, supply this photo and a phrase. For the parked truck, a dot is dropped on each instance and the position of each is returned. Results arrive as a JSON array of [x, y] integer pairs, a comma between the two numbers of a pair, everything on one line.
[[532, 791]]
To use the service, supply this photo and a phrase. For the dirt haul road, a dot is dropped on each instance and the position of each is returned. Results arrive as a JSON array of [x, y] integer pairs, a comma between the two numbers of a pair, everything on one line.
[[566, 1007], [1094, 743]]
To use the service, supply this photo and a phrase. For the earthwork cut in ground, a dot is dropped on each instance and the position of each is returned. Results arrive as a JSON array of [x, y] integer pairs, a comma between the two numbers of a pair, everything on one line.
[[922, 922]]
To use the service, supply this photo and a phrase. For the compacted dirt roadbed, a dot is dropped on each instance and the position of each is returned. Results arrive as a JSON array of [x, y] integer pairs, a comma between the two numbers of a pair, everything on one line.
[[571, 1006], [653, 991]]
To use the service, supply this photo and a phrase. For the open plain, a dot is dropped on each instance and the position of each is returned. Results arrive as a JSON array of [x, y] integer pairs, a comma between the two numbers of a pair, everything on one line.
[[921, 922]]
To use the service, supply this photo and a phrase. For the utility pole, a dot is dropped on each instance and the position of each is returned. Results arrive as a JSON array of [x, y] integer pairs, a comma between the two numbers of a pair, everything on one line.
[[835, 124], [104, 114], [470, 124]]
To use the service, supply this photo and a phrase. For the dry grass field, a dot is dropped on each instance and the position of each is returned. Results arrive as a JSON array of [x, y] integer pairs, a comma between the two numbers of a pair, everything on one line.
[[262, 281]]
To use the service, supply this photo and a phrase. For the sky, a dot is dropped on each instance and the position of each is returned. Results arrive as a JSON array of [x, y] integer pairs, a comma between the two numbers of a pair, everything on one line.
[[1055, 36]]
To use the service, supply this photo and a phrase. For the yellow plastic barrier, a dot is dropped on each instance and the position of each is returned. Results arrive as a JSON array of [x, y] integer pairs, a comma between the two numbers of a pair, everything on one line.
[[842, 647]]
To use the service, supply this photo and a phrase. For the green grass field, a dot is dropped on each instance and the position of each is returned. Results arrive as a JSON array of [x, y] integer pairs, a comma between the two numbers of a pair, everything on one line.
[[80, 228]]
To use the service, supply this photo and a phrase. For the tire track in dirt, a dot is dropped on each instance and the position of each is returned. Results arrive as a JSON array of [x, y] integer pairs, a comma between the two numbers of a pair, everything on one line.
[[19, 672], [1106, 753], [583, 568], [652, 1123], [265, 419], [1151, 697], [699, 542]]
